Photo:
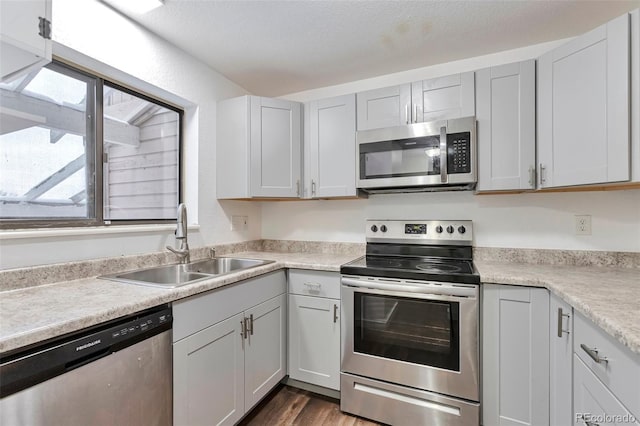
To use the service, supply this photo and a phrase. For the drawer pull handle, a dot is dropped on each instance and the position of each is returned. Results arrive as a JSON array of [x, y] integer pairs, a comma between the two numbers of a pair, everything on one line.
[[560, 330], [313, 287], [335, 313], [593, 353]]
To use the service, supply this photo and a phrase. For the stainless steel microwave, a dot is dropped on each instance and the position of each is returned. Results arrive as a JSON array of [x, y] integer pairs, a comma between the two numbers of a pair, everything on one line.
[[432, 156]]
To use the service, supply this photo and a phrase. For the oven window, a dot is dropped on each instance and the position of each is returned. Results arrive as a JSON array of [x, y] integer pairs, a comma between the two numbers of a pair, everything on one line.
[[410, 157], [412, 330]]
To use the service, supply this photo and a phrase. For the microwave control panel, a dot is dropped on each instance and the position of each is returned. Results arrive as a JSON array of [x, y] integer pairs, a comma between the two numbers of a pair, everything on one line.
[[458, 153]]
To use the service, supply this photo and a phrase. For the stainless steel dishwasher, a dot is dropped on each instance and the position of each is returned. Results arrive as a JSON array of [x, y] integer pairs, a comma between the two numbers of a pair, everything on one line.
[[117, 373]]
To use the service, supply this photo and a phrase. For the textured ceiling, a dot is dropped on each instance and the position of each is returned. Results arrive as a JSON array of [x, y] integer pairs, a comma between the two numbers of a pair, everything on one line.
[[273, 48]]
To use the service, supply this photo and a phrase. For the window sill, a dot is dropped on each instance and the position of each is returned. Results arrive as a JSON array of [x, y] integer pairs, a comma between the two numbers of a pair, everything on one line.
[[103, 230]]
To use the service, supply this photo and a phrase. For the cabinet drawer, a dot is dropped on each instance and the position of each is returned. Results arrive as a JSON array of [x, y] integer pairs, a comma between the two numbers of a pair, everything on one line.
[[594, 403], [620, 372], [314, 283]]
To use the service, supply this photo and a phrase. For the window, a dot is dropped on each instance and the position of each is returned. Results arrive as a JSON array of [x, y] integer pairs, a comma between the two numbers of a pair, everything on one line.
[[78, 150]]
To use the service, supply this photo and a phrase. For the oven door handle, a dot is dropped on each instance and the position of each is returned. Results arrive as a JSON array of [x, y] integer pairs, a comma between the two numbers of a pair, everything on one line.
[[439, 289]]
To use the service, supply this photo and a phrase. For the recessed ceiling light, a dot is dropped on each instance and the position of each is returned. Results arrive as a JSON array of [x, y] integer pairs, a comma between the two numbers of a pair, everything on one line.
[[137, 7]]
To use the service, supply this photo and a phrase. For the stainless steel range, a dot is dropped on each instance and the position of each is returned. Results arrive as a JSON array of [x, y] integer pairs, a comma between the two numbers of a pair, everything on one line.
[[411, 324]]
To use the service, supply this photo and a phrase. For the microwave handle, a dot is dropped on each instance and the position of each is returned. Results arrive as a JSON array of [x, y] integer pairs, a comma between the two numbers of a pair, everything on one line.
[[443, 154]]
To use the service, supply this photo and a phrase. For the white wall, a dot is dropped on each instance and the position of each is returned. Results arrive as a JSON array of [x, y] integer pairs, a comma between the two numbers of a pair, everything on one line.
[[93, 35], [522, 220]]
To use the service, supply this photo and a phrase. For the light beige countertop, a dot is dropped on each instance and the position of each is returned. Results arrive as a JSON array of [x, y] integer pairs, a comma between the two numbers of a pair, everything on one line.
[[608, 296], [33, 314]]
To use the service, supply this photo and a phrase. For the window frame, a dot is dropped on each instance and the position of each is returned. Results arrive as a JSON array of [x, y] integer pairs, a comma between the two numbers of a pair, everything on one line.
[[95, 198]]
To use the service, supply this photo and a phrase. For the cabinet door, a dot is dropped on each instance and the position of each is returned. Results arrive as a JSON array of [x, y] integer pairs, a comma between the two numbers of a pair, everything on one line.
[[314, 340], [583, 108], [560, 361], [208, 375], [506, 117], [441, 98], [515, 355], [21, 45], [593, 402], [275, 148], [386, 107], [265, 348], [330, 166]]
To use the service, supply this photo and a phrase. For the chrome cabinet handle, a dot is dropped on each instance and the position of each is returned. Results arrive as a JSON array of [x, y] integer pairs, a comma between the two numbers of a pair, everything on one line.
[[593, 353], [543, 169], [406, 113], [251, 324], [313, 188], [243, 329], [443, 154], [560, 315], [298, 187], [415, 113], [335, 313]]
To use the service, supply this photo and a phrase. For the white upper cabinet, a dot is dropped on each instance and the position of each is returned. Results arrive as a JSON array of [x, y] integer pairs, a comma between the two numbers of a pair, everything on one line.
[[386, 107], [25, 36], [442, 98], [583, 108], [330, 145], [259, 148], [506, 120]]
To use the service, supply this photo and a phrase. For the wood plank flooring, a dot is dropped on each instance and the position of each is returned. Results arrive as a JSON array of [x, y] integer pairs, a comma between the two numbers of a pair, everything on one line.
[[291, 406]]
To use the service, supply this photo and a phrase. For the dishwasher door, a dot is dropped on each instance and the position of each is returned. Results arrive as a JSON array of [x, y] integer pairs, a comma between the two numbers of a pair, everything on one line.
[[131, 386]]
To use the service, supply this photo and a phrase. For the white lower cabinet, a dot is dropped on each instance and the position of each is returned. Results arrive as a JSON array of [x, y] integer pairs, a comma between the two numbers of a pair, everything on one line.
[[314, 327], [223, 364], [560, 361], [515, 355]]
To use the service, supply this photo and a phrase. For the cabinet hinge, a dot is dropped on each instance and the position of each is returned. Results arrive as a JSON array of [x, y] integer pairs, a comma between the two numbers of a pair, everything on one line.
[[105, 157], [45, 28]]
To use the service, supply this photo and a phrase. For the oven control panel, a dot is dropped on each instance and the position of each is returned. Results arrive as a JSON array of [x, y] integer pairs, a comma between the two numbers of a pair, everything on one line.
[[456, 232]]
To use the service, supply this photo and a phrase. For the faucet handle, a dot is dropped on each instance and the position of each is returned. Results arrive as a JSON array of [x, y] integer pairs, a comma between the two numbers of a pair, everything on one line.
[[212, 252]]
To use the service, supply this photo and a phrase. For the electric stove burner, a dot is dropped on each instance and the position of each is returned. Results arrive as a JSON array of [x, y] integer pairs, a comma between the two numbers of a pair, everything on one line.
[[383, 263], [438, 267]]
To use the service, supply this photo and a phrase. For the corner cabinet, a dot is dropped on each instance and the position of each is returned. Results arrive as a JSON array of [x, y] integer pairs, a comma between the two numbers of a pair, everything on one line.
[[583, 108], [314, 327], [229, 350], [515, 355], [506, 120], [25, 37], [439, 98], [258, 148], [330, 147]]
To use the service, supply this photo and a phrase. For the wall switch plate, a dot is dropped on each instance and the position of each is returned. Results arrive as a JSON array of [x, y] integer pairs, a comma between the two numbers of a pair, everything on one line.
[[583, 224], [239, 223]]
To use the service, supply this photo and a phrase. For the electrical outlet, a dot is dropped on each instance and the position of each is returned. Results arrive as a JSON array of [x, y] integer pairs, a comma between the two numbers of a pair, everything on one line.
[[583, 224]]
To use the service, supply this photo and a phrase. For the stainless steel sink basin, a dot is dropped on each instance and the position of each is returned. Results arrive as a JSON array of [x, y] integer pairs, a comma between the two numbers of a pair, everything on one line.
[[224, 265], [171, 276]]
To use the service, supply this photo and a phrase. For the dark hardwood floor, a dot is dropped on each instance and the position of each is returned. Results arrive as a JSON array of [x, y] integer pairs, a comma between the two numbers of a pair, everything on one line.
[[291, 406]]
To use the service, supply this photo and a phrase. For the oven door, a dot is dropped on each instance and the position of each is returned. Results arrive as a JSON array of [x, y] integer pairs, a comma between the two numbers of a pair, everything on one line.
[[413, 333]]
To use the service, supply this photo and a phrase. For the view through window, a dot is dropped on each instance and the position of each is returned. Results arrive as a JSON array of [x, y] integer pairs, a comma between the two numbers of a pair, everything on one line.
[[77, 150]]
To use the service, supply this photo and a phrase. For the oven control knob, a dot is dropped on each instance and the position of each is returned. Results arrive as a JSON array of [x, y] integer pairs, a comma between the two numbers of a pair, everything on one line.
[[439, 229], [462, 229], [450, 229], [383, 228], [374, 228]]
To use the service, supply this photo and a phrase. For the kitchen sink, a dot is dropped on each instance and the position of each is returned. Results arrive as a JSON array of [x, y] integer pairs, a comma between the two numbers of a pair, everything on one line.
[[171, 276], [224, 265]]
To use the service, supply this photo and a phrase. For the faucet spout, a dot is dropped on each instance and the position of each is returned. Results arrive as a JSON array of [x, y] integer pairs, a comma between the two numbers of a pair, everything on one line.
[[181, 235]]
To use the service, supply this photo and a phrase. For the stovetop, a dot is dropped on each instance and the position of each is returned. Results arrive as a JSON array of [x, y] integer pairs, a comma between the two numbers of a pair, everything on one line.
[[417, 249], [419, 268]]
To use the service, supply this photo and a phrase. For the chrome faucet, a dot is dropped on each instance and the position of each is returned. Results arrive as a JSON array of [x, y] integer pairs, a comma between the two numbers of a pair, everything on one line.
[[181, 235]]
